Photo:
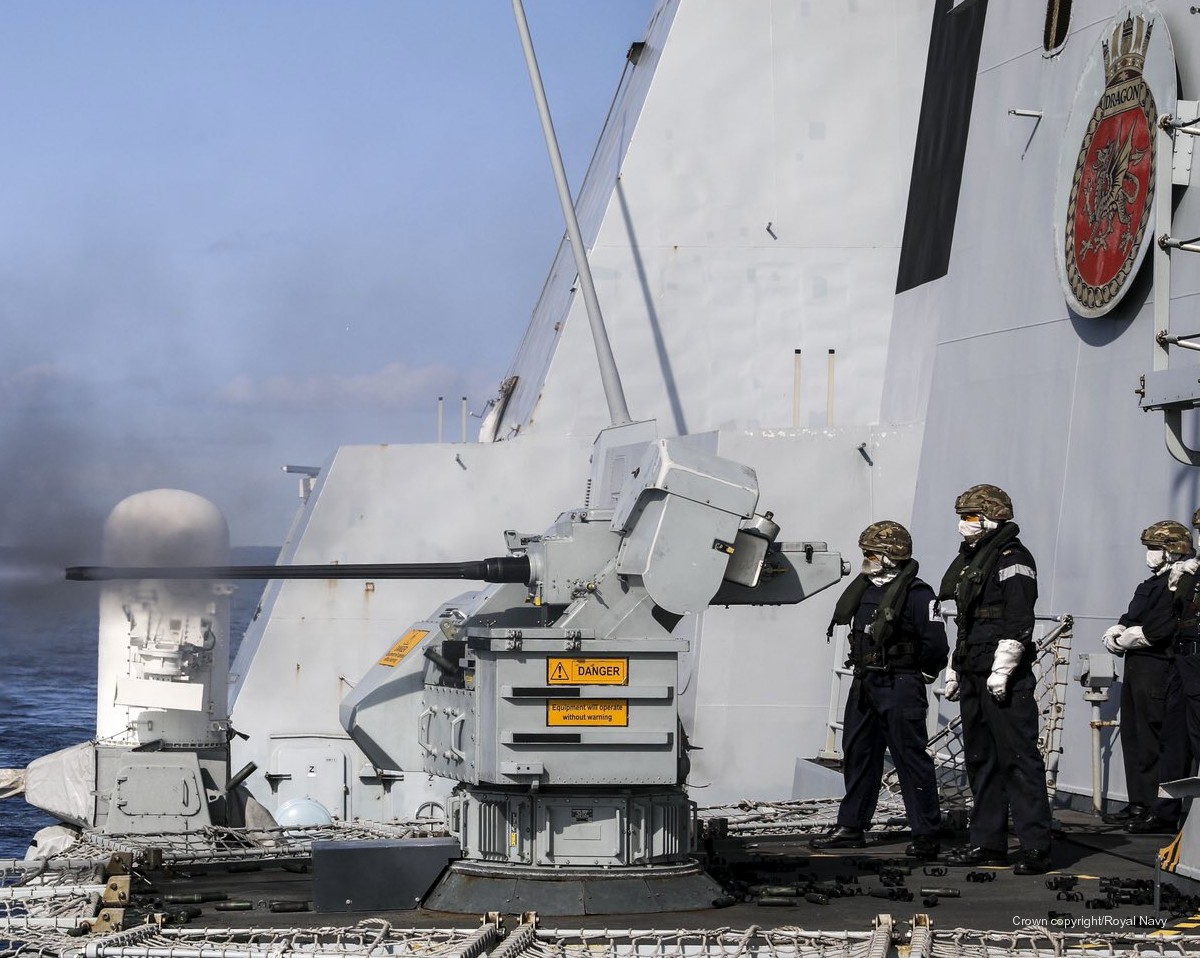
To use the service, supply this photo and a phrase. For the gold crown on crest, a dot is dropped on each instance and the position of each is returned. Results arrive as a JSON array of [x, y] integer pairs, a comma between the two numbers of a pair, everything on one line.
[[1125, 50]]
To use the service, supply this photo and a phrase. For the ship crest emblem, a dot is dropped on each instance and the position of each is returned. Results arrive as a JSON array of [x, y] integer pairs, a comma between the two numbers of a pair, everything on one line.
[[1112, 189]]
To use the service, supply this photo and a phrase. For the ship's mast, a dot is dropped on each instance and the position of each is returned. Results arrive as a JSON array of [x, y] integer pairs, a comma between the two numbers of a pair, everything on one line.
[[618, 411]]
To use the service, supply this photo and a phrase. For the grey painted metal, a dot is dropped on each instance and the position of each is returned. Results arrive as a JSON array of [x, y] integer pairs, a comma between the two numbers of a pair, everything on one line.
[[576, 891], [580, 828], [1182, 386], [1181, 156], [378, 875], [705, 307], [505, 719], [153, 791], [1171, 388], [579, 707], [384, 713]]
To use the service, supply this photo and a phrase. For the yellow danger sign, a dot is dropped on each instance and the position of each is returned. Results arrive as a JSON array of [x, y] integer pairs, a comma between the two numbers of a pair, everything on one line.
[[403, 647], [587, 671], [575, 712]]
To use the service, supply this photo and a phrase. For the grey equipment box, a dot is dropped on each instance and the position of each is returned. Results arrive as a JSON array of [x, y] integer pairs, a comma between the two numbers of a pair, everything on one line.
[[377, 875], [520, 723]]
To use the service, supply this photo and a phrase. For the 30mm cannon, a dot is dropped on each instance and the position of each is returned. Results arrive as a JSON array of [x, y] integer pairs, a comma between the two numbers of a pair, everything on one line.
[[495, 569]]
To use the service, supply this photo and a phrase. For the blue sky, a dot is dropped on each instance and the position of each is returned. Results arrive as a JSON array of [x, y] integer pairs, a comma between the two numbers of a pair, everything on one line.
[[237, 235]]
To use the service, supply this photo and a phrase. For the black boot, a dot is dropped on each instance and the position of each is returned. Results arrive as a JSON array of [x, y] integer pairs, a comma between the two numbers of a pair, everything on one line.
[[977, 855], [1032, 862], [1151, 824], [840, 837], [924, 848], [1126, 815]]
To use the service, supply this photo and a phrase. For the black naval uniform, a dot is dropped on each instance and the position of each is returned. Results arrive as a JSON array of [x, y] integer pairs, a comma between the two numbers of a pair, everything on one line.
[[897, 633], [1175, 748], [994, 583], [1144, 681], [1180, 746]]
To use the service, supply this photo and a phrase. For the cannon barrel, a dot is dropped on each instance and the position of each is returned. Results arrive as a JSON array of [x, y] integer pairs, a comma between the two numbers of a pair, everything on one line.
[[496, 569]]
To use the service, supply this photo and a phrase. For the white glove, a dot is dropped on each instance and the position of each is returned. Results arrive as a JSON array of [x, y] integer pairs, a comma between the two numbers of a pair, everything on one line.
[[1179, 568], [1111, 637], [950, 689], [1007, 658], [1132, 638]]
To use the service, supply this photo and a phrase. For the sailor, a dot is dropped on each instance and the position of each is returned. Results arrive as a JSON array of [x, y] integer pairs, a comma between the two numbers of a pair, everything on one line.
[[1179, 744], [1183, 684], [1145, 637], [897, 647], [993, 582]]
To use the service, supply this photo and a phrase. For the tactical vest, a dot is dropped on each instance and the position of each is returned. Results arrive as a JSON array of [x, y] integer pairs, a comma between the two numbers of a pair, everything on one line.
[[968, 574], [1187, 607], [875, 612], [967, 582]]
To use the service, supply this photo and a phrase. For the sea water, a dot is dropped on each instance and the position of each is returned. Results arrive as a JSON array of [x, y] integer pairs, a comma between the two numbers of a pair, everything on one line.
[[48, 633]]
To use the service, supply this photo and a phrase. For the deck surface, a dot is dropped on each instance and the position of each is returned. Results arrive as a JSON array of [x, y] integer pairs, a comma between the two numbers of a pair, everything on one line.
[[767, 877]]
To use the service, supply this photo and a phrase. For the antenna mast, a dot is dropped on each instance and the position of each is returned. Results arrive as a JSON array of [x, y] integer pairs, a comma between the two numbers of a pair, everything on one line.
[[618, 411]]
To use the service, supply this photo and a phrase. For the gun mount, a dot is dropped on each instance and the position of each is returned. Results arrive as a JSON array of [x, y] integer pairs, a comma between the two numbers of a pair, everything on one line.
[[548, 696], [553, 703]]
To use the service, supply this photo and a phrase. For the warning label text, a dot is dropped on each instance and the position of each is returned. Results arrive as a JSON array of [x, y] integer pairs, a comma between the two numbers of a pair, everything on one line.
[[398, 651], [609, 712], [561, 671]]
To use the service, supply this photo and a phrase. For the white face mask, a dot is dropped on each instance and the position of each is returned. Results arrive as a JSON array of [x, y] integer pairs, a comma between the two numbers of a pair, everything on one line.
[[1155, 558], [970, 530], [883, 578], [872, 566]]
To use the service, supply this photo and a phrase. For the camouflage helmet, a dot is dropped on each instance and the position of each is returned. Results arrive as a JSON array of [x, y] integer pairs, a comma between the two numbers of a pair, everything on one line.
[[1196, 519], [1170, 536], [987, 500], [887, 538]]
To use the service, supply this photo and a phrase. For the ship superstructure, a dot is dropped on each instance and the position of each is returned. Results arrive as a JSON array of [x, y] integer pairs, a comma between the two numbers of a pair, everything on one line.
[[851, 284], [744, 230], [862, 248]]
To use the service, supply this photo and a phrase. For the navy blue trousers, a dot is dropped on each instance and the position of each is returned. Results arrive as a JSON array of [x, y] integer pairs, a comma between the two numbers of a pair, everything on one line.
[[887, 711], [1143, 704], [1004, 767], [1179, 743]]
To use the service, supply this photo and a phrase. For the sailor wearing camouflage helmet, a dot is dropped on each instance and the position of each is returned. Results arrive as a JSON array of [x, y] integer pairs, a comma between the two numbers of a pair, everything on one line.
[[1145, 637], [897, 647], [993, 582]]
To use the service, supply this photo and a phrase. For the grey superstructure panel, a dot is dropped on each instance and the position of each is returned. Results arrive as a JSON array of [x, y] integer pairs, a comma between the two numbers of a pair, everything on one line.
[[1026, 395], [758, 210]]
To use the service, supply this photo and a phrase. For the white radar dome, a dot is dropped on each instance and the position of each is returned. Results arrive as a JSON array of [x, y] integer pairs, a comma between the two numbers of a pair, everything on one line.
[[165, 527], [300, 812]]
